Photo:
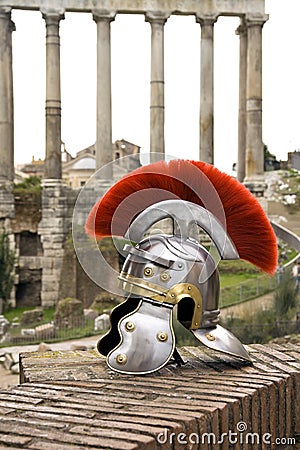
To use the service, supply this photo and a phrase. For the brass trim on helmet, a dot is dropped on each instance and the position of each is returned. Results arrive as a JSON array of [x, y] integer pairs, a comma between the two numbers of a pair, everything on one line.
[[138, 286], [143, 288], [184, 290]]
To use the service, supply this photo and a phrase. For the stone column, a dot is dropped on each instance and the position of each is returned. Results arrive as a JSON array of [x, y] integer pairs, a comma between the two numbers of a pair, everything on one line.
[[7, 202], [53, 96], [54, 229], [6, 96], [55, 224], [254, 145], [241, 164], [104, 154], [7, 208], [157, 21], [207, 88]]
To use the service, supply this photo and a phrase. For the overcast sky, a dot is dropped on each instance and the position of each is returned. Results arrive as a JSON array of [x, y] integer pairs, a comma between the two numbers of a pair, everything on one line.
[[131, 83]]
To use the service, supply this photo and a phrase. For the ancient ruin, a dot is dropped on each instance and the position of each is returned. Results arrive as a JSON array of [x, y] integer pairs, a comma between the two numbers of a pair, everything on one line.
[[57, 199]]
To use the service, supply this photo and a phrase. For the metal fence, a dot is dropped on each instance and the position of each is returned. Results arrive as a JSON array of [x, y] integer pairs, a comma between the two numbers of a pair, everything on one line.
[[255, 287], [82, 327], [49, 332], [254, 332]]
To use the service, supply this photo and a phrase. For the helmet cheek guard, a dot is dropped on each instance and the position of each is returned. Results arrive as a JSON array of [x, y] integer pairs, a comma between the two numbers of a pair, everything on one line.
[[162, 270]]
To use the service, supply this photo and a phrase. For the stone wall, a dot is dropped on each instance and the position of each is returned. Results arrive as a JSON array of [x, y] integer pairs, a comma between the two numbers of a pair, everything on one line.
[[74, 281], [28, 247], [55, 256]]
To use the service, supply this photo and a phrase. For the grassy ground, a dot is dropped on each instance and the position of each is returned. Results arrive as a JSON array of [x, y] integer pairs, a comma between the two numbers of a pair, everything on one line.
[[231, 279], [81, 329], [15, 314]]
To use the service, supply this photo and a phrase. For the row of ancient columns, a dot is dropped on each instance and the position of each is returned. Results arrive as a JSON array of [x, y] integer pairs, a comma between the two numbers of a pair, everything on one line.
[[250, 145], [250, 155]]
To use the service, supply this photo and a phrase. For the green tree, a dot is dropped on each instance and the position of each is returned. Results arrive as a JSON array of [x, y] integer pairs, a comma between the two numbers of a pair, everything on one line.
[[270, 161], [30, 184], [7, 260]]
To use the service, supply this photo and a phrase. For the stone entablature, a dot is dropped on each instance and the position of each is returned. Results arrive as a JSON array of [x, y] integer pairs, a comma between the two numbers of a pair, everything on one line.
[[222, 7]]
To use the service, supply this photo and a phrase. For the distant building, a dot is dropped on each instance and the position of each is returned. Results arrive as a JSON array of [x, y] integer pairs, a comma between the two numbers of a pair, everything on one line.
[[77, 170], [294, 160], [35, 168]]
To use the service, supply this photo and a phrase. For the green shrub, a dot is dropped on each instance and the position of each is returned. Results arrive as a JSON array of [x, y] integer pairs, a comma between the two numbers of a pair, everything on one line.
[[285, 295], [30, 184]]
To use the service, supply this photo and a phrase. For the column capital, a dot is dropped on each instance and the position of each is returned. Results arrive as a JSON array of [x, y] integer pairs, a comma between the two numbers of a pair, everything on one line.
[[5, 10], [5, 13], [103, 15], [157, 17], [242, 28], [253, 20], [207, 19], [52, 16]]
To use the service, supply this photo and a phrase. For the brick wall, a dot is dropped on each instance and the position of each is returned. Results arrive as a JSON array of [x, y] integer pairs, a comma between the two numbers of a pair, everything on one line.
[[71, 400]]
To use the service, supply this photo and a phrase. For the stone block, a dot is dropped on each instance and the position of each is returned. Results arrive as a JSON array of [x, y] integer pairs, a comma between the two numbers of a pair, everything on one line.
[[90, 314], [56, 223], [57, 245], [50, 252], [15, 357], [51, 277], [28, 332], [47, 263], [102, 323], [31, 262], [50, 287], [45, 331], [32, 316], [15, 369], [42, 348], [8, 361], [58, 238], [69, 311], [6, 338], [7, 202], [4, 325], [49, 298]]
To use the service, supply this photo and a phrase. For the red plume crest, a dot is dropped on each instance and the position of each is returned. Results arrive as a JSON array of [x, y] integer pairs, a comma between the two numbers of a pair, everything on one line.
[[199, 183]]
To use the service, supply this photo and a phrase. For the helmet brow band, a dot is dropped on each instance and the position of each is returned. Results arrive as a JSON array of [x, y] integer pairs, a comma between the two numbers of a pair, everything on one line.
[[171, 296], [184, 214]]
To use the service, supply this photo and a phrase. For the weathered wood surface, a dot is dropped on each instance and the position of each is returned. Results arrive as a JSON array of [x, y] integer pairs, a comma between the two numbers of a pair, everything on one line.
[[71, 400]]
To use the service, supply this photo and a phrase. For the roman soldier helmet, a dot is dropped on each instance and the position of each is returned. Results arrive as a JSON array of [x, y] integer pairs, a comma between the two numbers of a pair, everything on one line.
[[162, 210]]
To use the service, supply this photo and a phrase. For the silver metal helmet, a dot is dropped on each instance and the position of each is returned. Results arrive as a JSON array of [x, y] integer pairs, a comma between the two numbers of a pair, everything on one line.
[[163, 271], [170, 271]]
